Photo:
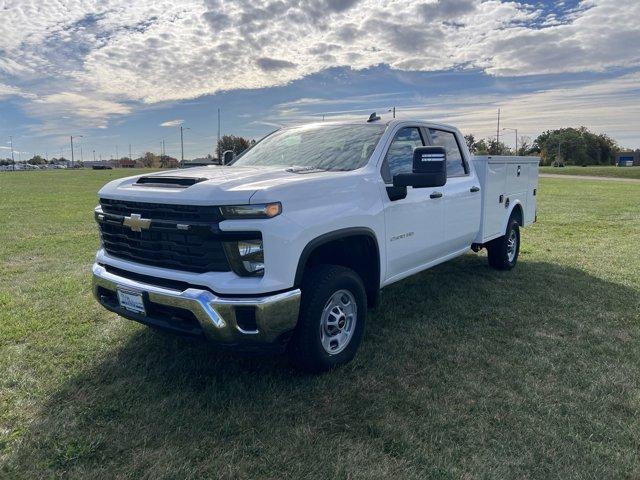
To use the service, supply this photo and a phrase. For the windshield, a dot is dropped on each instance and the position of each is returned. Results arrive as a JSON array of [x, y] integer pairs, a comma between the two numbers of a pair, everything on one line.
[[321, 147]]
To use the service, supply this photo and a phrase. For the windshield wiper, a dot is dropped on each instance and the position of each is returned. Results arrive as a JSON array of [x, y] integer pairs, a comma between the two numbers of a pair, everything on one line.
[[308, 169]]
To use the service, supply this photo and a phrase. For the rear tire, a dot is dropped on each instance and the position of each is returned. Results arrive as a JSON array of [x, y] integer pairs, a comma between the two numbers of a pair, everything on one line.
[[332, 317], [504, 251]]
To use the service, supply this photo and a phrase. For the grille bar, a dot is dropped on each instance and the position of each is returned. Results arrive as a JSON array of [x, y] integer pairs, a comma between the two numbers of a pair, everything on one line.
[[156, 211]]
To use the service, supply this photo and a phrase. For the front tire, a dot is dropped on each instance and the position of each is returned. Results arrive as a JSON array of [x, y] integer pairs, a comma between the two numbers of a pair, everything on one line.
[[332, 317], [504, 251]]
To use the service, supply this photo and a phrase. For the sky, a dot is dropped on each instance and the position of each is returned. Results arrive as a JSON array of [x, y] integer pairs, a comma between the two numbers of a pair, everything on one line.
[[115, 73]]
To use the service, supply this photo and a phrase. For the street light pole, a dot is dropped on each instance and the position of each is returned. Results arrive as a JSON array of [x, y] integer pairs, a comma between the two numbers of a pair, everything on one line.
[[13, 161], [515, 130]]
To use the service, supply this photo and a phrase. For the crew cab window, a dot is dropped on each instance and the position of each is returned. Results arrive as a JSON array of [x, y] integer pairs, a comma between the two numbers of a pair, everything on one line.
[[455, 162], [399, 158]]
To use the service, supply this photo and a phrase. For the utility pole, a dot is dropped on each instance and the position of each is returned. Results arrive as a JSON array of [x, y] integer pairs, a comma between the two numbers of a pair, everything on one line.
[[94, 156], [13, 162], [117, 153], [130, 157], [218, 143], [81, 157], [72, 157], [498, 130], [181, 145]]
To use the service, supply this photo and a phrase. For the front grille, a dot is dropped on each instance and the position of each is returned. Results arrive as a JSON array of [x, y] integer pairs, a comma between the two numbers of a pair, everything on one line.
[[158, 211], [180, 237]]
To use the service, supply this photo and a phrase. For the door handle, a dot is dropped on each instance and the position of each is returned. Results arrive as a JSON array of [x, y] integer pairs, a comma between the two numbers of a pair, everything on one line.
[[474, 189], [435, 195]]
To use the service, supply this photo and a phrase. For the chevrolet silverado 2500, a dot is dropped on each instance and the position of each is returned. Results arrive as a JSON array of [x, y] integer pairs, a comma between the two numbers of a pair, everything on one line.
[[291, 243]]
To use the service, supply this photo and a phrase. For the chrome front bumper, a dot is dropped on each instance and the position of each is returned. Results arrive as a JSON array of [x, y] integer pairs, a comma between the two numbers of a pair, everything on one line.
[[204, 313]]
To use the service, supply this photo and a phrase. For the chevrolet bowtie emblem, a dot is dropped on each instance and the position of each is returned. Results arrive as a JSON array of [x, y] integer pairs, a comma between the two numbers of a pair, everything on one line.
[[136, 223]]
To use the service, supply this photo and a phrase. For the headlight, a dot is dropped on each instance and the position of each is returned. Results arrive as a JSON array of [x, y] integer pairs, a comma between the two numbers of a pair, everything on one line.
[[262, 210], [246, 257]]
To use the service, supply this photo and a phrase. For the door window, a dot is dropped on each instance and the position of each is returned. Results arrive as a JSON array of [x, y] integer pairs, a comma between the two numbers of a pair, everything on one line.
[[455, 162], [399, 158]]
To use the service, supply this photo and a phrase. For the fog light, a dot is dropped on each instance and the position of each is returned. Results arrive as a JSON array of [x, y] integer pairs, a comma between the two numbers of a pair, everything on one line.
[[246, 257]]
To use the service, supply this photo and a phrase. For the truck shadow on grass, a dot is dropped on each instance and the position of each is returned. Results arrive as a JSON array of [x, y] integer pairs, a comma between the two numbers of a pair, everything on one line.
[[462, 370]]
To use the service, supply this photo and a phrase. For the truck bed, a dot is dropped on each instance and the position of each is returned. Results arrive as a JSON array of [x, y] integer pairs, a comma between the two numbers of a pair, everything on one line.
[[505, 180]]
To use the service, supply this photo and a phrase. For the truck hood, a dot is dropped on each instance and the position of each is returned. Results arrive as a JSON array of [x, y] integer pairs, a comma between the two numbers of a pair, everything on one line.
[[214, 185]]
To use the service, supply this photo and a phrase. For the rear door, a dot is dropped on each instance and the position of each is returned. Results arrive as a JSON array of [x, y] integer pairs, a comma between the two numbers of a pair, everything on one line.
[[414, 223], [462, 196]]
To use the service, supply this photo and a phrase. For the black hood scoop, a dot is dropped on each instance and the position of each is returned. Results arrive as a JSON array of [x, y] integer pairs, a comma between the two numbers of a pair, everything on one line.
[[169, 182]]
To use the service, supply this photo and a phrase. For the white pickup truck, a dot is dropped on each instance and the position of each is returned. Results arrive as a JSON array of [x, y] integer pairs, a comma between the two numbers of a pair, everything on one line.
[[289, 244]]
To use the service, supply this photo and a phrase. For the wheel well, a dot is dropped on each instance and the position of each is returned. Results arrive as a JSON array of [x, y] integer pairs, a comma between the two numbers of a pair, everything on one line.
[[358, 252], [518, 215]]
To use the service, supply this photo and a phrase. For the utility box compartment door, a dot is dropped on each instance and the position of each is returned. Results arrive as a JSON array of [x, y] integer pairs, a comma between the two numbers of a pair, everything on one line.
[[493, 193], [505, 179]]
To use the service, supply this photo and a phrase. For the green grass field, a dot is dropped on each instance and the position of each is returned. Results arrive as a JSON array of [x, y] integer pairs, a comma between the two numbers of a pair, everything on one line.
[[464, 372], [594, 171]]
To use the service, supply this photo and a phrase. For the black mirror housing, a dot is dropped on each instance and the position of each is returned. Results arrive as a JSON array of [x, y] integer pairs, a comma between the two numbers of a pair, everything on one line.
[[227, 157], [429, 169]]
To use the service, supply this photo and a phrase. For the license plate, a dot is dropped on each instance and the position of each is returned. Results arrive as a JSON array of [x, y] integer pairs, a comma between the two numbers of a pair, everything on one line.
[[131, 301]]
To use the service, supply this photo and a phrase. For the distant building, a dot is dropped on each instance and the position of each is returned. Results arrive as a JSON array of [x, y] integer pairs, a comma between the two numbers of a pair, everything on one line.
[[628, 159], [126, 163]]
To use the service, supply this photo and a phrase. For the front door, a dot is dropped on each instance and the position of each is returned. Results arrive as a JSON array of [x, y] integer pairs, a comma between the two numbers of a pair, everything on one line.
[[462, 198], [415, 223]]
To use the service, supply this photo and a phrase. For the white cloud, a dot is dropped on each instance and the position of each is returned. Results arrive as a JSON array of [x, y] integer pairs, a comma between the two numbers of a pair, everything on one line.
[[69, 111], [172, 123], [604, 106], [91, 108], [7, 90], [88, 58]]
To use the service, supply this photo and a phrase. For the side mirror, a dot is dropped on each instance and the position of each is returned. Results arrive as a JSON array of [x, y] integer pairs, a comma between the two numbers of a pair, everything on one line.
[[227, 157], [429, 169]]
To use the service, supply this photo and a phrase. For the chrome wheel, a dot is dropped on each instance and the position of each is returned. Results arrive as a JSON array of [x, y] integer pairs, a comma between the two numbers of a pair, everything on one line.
[[512, 245], [338, 321]]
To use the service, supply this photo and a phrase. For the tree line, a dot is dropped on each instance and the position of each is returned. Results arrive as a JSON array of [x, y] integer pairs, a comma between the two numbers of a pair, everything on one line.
[[567, 146], [148, 160]]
